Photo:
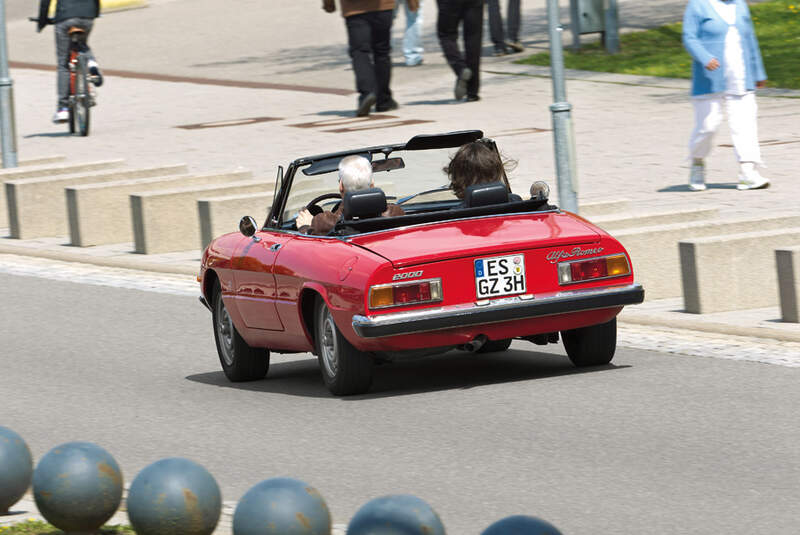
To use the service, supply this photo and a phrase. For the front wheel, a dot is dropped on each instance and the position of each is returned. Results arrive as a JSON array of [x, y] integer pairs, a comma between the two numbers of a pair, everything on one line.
[[83, 98], [345, 370], [593, 345], [240, 362]]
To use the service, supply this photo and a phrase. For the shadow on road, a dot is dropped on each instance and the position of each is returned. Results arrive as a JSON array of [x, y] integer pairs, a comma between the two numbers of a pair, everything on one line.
[[685, 187], [453, 370], [48, 134]]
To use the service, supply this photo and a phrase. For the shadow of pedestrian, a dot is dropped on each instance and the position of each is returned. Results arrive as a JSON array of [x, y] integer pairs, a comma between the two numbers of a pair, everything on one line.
[[48, 134], [685, 187]]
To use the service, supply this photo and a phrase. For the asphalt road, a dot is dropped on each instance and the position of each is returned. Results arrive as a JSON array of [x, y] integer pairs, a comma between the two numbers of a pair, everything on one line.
[[655, 443]]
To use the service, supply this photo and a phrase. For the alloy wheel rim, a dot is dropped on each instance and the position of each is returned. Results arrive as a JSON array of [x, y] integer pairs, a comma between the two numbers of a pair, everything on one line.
[[329, 349], [225, 332]]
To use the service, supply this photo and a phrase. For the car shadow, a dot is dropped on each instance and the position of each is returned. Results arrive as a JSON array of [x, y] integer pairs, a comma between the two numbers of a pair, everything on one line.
[[455, 370]]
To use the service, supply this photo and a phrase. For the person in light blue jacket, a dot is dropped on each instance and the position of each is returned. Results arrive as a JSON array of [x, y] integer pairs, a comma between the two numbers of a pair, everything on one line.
[[726, 70]]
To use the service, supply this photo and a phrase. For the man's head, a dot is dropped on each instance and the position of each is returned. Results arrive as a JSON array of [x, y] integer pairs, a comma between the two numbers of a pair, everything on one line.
[[473, 163], [355, 173]]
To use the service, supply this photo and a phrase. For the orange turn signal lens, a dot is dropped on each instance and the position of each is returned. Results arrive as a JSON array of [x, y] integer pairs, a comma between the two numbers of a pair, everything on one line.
[[405, 293], [617, 265], [380, 297]]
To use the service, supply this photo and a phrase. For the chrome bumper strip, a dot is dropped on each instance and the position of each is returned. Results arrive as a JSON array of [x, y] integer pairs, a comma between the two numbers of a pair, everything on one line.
[[504, 309]]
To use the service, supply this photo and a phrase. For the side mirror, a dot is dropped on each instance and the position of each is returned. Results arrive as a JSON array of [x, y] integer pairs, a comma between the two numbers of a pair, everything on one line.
[[248, 226], [540, 191]]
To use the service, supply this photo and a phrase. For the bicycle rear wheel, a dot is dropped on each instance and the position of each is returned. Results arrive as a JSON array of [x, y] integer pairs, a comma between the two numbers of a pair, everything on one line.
[[82, 101]]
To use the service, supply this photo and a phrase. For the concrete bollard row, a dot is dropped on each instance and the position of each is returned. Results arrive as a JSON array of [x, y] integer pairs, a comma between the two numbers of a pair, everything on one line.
[[78, 486]]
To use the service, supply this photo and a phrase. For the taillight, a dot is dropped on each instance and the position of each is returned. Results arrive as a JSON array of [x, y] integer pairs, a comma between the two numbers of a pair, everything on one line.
[[594, 268], [405, 293]]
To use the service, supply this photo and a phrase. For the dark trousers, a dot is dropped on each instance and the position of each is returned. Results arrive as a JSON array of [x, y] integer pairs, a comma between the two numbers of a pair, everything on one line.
[[369, 37], [62, 54], [496, 33], [469, 13]]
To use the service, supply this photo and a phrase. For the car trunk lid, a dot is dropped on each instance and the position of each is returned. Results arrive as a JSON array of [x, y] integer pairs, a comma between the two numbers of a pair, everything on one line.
[[478, 236]]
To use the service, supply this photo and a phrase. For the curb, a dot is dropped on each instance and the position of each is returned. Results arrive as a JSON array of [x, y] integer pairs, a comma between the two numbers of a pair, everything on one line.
[[691, 324]]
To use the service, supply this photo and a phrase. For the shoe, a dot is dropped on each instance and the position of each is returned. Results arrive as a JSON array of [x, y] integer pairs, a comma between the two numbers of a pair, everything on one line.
[[414, 63], [389, 106], [473, 98], [516, 46], [750, 178], [697, 176], [500, 51], [365, 105], [94, 71], [61, 116], [461, 83]]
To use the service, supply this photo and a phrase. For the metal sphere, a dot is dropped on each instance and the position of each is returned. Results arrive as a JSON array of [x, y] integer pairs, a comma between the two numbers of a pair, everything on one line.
[[174, 496], [398, 514], [521, 525], [77, 486], [282, 506], [16, 468]]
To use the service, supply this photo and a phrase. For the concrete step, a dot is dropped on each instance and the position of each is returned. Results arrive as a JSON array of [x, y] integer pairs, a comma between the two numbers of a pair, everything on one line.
[[42, 160], [36, 206], [614, 222], [100, 213], [18, 173]]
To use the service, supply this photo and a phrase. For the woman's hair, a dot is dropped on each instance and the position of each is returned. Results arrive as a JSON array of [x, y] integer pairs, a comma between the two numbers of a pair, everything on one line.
[[475, 163]]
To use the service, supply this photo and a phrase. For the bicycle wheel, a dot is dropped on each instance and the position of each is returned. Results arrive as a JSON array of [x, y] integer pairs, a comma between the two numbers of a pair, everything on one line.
[[82, 96]]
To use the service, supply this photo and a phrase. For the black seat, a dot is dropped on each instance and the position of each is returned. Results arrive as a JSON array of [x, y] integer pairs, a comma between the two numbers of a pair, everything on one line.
[[363, 204], [485, 194]]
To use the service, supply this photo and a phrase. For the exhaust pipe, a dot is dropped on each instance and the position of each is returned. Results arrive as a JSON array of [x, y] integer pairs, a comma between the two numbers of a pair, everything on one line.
[[476, 343]]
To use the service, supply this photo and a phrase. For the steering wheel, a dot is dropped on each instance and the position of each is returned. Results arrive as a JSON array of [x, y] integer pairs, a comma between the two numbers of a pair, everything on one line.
[[312, 204]]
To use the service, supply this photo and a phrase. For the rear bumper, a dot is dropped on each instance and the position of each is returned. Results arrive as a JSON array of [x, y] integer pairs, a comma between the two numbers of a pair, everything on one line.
[[496, 311]]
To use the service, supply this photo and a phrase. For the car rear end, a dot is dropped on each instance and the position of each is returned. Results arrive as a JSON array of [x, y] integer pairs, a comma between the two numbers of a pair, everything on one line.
[[466, 282]]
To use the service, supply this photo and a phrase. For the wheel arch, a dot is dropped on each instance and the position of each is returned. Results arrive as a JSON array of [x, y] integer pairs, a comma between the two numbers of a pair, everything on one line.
[[209, 278], [307, 304]]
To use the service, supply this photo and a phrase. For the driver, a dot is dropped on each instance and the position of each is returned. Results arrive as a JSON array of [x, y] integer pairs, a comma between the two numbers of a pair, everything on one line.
[[355, 173]]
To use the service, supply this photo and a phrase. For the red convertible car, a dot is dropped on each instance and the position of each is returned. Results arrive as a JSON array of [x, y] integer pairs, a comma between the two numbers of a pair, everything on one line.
[[471, 274]]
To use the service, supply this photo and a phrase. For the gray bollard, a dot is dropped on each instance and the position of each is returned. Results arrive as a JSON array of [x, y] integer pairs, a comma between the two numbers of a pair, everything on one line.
[[398, 514], [282, 506], [77, 486], [521, 525], [174, 496], [16, 468]]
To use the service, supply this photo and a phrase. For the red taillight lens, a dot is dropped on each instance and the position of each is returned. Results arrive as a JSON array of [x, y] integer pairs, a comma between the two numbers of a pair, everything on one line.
[[389, 295], [594, 268]]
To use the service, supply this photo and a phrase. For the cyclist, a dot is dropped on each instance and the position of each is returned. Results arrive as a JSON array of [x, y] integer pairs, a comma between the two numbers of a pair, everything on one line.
[[69, 14]]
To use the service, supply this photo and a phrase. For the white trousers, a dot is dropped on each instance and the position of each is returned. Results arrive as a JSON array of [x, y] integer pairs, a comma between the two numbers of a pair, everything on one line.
[[741, 111]]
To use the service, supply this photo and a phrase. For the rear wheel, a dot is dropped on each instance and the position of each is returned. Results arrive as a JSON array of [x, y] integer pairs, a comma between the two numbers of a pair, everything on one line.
[[240, 362], [345, 369], [593, 345], [82, 96], [495, 346]]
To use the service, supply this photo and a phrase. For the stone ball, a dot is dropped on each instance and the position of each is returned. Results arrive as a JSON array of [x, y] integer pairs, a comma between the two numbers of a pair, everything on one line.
[[77, 486], [174, 496], [398, 514], [282, 506], [521, 525], [16, 468]]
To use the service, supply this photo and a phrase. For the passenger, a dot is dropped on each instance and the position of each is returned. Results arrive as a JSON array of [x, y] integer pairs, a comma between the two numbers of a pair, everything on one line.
[[476, 163], [355, 173]]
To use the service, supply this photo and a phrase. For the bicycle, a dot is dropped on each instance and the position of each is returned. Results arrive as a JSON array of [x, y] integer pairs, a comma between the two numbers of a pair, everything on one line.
[[81, 97]]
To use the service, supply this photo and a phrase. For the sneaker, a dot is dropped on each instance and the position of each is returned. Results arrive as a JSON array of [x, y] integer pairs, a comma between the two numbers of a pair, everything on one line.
[[365, 105], [61, 116], [500, 50], [461, 83], [473, 98], [750, 178], [516, 46], [697, 176], [96, 75], [413, 63], [388, 106]]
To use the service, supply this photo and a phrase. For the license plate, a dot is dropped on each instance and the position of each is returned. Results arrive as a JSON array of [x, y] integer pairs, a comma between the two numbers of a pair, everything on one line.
[[500, 275]]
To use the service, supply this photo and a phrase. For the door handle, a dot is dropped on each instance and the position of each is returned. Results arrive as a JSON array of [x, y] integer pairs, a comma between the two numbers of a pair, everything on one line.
[[275, 246]]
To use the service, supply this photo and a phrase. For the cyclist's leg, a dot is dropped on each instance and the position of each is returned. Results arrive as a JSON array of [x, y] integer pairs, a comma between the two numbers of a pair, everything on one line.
[[62, 60], [94, 68]]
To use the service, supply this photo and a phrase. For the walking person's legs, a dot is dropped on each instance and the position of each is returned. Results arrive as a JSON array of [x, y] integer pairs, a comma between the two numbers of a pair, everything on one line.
[[473, 36], [496, 33], [359, 37], [512, 22], [381, 24], [707, 118], [412, 37], [742, 114]]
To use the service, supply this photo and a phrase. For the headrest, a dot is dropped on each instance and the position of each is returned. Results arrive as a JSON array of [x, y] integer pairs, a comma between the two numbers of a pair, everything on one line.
[[363, 204], [485, 194]]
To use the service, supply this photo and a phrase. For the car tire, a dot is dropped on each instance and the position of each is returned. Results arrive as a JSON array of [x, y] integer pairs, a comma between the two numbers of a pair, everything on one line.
[[495, 346], [239, 361], [593, 345], [345, 370]]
